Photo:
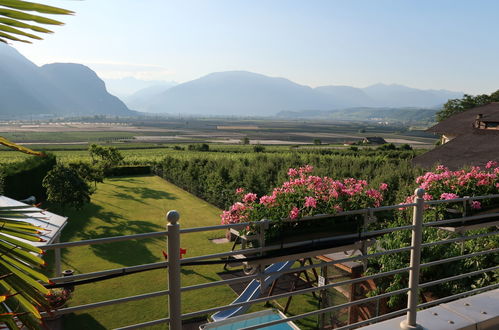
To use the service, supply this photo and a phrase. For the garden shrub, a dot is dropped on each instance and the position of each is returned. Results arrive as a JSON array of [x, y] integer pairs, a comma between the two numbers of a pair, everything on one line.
[[24, 179], [129, 170]]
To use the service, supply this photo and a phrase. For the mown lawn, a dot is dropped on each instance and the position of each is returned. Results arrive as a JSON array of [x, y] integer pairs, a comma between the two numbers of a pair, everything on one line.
[[139, 204]]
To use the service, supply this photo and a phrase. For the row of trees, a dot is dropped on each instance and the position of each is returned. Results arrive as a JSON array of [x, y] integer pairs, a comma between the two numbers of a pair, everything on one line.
[[215, 179]]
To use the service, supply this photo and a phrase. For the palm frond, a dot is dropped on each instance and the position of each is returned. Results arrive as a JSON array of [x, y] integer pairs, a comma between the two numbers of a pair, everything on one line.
[[14, 14]]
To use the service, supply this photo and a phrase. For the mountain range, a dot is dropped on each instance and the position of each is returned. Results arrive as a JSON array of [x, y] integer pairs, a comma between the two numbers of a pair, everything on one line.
[[74, 89], [247, 93], [57, 89]]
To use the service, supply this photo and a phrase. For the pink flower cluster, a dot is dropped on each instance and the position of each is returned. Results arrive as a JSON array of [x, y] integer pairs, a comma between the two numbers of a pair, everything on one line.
[[446, 184], [304, 195]]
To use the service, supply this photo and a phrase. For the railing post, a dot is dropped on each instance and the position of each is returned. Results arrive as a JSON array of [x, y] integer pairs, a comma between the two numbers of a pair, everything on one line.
[[413, 294], [173, 250]]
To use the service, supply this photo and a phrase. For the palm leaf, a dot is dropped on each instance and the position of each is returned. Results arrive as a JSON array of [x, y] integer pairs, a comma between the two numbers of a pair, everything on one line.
[[23, 255], [17, 259], [28, 270], [31, 6], [16, 146], [9, 29], [15, 14], [8, 36], [17, 243], [18, 24]]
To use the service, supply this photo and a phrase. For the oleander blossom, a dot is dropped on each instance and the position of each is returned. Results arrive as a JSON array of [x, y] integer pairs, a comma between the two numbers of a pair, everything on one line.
[[476, 205], [446, 184], [304, 194]]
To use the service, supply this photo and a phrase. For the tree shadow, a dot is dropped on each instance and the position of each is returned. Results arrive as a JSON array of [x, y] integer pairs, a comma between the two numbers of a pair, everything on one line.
[[185, 271], [81, 321], [126, 253], [142, 192]]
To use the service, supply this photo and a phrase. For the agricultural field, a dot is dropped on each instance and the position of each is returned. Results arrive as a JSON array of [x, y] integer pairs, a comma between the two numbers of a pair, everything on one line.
[[160, 130]]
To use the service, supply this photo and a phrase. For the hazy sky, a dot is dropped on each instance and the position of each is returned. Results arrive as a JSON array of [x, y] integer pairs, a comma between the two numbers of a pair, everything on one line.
[[448, 44]]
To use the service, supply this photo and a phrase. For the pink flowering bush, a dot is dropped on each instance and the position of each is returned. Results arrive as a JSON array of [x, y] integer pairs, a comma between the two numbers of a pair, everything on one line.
[[304, 195], [443, 183]]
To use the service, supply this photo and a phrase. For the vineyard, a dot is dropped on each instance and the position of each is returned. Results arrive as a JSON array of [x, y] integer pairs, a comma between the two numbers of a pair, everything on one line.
[[215, 174]]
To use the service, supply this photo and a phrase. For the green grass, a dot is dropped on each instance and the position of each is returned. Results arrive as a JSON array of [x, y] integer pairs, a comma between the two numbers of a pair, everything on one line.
[[133, 205], [139, 204]]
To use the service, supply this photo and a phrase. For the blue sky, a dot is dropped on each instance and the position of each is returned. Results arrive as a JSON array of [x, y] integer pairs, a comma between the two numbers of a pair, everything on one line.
[[444, 44]]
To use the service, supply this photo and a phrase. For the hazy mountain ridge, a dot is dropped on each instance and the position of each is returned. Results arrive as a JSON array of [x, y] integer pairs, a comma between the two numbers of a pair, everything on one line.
[[74, 89], [246, 93], [58, 89]]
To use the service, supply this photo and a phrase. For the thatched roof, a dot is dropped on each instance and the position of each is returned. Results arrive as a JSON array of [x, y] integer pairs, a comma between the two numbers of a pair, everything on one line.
[[462, 123]]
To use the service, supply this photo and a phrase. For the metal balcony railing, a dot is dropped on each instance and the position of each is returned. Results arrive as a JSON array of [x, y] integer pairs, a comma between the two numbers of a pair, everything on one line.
[[255, 256]]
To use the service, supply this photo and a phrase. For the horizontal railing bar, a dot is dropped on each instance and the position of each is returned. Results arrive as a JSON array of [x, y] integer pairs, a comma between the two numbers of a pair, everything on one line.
[[221, 282], [462, 219], [104, 240], [458, 295], [282, 295], [110, 302], [217, 227], [145, 324], [459, 239], [373, 319], [302, 268], [225, 254], [303, 291], [461, 199], [464, 256], [390, 230], [124, 270], [329, 309], [457, 277], [290, 245]]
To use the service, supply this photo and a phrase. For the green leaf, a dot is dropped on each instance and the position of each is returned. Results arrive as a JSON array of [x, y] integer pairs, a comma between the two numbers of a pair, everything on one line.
[[28, 17], [16, 233], [9, 29], [18, 301], [26, 256], [31, 6], [7, 36], [23, 245], [23, 276], [33, 273], [13, 145], [18, 24]]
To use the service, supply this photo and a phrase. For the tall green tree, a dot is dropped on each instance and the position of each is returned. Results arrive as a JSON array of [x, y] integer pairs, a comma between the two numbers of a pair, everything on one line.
[[454, 106], [66, 187]]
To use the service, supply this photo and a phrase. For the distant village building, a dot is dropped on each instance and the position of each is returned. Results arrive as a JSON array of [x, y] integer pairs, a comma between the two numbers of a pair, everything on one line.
[[469, 138], [374, 140]]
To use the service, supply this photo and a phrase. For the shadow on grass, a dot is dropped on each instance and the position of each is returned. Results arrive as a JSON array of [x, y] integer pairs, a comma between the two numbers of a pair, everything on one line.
[[142, 193], [185, 271], [81, 321], [126, 253]]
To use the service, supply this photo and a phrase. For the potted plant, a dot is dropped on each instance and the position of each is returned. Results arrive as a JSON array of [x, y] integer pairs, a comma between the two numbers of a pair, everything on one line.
[[443, 183], [57, 298], [304, 207]]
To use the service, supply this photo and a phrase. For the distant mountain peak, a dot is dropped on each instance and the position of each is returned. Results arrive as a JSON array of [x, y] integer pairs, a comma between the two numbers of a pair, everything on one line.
[[58, 88]]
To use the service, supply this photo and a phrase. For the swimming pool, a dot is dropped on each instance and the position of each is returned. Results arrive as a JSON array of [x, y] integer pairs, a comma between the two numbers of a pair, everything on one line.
[[252, 319]]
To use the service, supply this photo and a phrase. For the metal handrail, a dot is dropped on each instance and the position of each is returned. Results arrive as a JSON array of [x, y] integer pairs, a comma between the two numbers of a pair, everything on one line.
[[174, 264]]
